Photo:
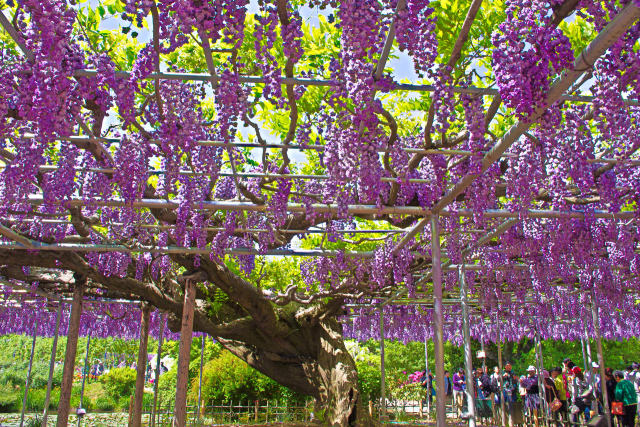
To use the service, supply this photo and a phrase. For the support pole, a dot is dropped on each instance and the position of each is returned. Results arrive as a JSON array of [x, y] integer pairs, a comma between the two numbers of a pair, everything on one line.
[[28, 381], [468, 358], [186, 331], [141, 368], [584, 356], [484, 356], [163, 318], [503, 413], [85, 371], [441, 415], [596, 328], [543, 401], [589, 358], [52, 365], [383, 396], [200, 379], [426, 368], [70, 356]]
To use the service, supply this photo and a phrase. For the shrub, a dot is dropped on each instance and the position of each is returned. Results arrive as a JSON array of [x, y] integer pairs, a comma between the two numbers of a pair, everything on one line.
[[227, 378], [123, 403], [167, 387], [119, 382], [40, 375], [105, 403], [368, 380], [9, 398]]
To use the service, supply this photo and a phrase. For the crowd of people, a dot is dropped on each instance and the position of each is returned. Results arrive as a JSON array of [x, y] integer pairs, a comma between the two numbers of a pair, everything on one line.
[[564, 394]]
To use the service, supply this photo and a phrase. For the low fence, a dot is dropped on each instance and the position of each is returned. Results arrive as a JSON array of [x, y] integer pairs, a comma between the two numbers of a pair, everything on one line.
[[257, 412]]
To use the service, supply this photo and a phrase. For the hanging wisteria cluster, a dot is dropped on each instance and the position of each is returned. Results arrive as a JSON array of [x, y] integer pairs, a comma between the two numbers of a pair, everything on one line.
[[205, 146]]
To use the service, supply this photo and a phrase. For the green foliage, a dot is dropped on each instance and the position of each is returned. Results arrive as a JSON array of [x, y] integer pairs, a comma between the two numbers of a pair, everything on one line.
[[119, 382], [167, 387], [229, 379], [9, 398], [105, 403], [369, 380]]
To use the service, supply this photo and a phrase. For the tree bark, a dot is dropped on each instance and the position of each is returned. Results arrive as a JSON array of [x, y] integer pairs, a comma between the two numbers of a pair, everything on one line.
[[321, 368]]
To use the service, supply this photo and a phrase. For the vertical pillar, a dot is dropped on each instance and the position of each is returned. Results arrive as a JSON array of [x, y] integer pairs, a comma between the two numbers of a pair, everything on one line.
[[52, 365], [200, 379], [542, 412], [468, 361], [157, 380], [596, 328], [383, 396], [141, 368], [28, 381], [439, 321], [589, 358], [85, 371], [426, 367], [503, 413], [584, 356], [70, 356], [484, 358], [182, 382]]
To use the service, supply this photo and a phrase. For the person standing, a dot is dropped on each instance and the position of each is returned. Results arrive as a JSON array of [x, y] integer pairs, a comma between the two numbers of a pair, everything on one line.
[[561, 414], [626, 394], [532, 396], [459, 384], [509, 391], [610, 384]]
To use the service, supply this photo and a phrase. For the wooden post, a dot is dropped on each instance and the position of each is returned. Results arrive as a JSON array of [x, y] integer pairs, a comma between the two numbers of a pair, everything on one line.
[[70, 356], [28, 381], [85, 371], [52, 365], [603, 381], [441, 416], [257, 406], [370, 409], [136, 420], [200, 379], [468, 357], [503, 414], [182, 382], [383, 393], [158, 359]]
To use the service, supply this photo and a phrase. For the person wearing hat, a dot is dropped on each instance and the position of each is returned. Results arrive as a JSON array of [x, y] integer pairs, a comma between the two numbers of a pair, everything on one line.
[[532, 396], [459, 384], [625, 393]]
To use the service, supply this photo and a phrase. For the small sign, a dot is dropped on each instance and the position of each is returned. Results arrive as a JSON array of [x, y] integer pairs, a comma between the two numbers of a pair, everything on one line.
[[481, 354]]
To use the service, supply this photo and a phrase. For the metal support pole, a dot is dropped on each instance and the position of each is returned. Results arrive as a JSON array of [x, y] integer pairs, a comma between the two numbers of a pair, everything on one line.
[[503, 413], [28, 381], [596, 328], [383, 397], [200, 379], [426, 368], [52, 365], [589, 358], [468, 357], [441, 415], [157, 380], [141, 368], [540, 361], [186, 331], [584, 356], [484, 356], [85, 371], [70, 356]]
